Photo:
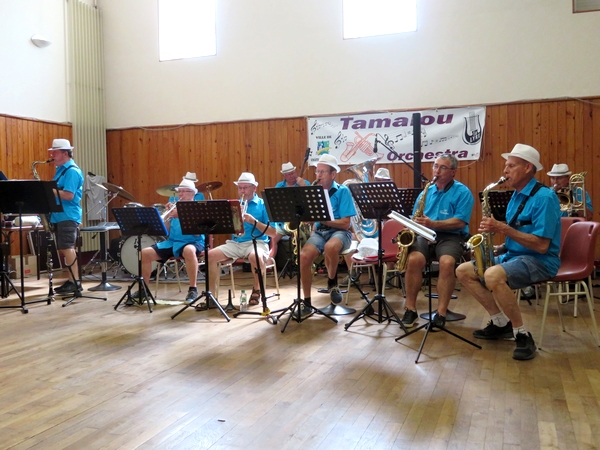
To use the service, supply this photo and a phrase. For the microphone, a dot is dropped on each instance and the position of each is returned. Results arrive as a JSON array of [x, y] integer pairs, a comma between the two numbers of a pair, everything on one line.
[[375, 146]]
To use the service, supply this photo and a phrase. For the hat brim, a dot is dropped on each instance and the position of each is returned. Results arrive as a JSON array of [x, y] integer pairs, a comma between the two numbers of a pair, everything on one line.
[[556, 174], [66, 149], [255, 183], [537, 165]]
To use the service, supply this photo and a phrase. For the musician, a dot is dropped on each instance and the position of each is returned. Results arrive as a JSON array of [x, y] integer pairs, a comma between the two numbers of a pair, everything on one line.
[[559, 177], [188, 246], [382, 174], [290, 179], [329, 237], [69, 180], [191, 176], [532, 244], [255, 223], [447, 211]]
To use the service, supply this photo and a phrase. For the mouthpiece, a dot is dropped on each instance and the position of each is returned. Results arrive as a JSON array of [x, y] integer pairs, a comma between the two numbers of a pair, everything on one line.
[[49, 160]]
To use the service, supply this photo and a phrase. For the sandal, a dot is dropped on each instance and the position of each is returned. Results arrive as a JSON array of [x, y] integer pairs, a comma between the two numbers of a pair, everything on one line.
[[254, 297]]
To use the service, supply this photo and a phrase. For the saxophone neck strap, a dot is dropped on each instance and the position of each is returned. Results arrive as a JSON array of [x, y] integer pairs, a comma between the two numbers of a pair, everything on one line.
[[538, 185]]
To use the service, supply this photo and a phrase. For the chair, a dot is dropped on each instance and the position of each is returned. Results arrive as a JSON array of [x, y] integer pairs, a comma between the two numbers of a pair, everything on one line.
[[164, 267], [389, 231], [576, 266], [229, 263]]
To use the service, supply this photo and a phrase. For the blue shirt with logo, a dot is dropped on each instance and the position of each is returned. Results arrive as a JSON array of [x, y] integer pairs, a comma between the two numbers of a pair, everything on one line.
[[69, 177]]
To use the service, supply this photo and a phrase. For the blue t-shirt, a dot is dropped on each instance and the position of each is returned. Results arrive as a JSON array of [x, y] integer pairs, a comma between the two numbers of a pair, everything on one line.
[[451, 202], [69, 178], [257, 209], [540, 217], [177, 240], [341, 202], [283, 184]]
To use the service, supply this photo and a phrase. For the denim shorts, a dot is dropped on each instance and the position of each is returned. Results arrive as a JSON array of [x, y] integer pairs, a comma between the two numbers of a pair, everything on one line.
[[319, 238], [524, 271]]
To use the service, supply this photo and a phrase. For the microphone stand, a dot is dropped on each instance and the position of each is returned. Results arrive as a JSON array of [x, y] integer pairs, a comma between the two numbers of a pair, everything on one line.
[[424, 179]]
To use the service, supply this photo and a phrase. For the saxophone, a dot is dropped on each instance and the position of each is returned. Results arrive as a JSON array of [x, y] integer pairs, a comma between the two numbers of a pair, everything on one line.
[[49, 235], [482, 244], [406, 237]]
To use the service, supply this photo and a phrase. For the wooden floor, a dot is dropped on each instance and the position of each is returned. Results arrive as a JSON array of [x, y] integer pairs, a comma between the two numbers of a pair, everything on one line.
[[89, 377]]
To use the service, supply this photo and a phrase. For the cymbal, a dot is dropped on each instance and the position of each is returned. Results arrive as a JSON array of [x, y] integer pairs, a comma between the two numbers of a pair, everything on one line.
[[119, 191], [168, 190], [210, 186]]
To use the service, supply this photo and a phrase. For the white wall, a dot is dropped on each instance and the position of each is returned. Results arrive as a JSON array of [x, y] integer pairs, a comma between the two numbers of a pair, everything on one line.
[[282, 58], [33, 81]]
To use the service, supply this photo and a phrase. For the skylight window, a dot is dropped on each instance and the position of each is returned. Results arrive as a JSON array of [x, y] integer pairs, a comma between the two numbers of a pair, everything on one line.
[[186, 29], [363, 18]]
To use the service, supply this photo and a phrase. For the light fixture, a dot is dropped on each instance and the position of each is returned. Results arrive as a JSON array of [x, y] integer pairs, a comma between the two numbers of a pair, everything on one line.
[[40, 41]]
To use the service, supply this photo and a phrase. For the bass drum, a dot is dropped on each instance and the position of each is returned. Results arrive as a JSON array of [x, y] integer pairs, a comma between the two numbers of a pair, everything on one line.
[[128, 255]]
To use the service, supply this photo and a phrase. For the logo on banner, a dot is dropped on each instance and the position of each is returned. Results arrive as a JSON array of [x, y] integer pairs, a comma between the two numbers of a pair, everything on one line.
[[473, 132]]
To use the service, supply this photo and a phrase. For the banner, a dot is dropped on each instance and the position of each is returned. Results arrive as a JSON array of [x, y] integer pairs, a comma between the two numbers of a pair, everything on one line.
[[353, 139]]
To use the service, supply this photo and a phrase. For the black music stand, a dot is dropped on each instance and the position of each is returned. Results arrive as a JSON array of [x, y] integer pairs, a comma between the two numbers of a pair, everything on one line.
[[137, 222], [28, 197], [205, 217], [429, 325], [375, 201], [498, 202], [295, 205], [103, 229]]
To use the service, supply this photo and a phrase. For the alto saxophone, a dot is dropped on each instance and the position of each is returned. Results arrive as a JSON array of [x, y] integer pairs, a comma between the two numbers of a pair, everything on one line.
[[406, 237], [44, 218], [482, 245]]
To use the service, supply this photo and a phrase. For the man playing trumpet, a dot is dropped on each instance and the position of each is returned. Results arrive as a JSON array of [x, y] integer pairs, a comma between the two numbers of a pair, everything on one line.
[[559, 177], [447, 211], [532, 244]]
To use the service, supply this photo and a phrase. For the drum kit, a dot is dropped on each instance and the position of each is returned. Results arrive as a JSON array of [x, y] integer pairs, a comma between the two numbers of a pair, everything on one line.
[[126, 255]]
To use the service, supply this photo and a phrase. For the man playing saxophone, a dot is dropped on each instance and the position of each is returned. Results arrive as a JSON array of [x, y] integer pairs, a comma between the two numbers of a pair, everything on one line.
[[447, 211], [69, 180], [188, 246], [532, 244]]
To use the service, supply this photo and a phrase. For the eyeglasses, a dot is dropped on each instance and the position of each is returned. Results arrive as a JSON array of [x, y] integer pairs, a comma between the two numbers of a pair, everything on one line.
[[322, 172], [185, 191], [442, 168]]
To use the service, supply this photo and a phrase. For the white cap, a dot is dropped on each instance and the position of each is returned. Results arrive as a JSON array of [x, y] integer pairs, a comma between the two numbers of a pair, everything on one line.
[[330, 160], [246, 177], [187, 184], [191, 176], [526, 152], [559, 170], [287, 167], [61, 144]]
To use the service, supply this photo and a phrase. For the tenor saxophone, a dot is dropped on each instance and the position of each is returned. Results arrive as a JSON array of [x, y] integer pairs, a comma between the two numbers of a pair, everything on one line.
[[482, 245], [406, 237], [44, 217]]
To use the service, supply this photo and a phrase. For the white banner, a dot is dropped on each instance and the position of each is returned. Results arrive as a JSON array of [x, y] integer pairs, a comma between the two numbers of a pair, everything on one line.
[[353, 139]]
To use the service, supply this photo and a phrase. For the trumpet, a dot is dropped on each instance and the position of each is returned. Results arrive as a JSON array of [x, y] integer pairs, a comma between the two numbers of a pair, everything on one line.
[[164, 215]]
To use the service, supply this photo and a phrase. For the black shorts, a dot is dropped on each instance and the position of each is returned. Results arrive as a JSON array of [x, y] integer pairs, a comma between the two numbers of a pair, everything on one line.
[[446, 244], [66, 234], [165, 253]]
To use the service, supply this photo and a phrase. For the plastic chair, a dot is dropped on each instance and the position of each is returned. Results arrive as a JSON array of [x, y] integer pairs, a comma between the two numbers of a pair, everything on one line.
[[389, 231], [164, 267], [229, 263], [576, 266]]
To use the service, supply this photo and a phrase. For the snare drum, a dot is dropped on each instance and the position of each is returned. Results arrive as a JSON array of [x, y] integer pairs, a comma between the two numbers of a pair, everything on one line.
[[128, 255]]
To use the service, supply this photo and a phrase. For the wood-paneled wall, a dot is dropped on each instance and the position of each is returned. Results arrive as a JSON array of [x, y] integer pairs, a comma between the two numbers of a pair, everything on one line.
[[566, 131]]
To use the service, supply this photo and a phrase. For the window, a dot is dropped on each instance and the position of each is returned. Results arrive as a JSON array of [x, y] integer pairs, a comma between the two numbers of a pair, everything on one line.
[[186, 29], [364, 18]]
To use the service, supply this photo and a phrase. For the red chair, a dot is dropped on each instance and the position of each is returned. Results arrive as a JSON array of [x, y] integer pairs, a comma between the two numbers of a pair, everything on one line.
[[576, 267]]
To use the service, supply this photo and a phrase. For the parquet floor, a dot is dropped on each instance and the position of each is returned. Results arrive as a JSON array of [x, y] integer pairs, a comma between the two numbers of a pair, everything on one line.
[[89, 377]]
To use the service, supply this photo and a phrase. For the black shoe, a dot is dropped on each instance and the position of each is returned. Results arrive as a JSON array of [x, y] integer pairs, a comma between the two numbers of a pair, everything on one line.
[[68, 287], [525, 347], [191, 296], [528, 293], [304, 311], [494, 332], [439, 320], [410, 317], [335, 295]]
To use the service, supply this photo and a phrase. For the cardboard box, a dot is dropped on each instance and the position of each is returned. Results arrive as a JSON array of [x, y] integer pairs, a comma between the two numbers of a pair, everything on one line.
[[29, 266]]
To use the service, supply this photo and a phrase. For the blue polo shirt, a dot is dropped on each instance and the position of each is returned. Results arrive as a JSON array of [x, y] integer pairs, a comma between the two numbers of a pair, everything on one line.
[[69, 178], [540, 217], [341, 202], [177, 240], [455, 201], [257, 209]]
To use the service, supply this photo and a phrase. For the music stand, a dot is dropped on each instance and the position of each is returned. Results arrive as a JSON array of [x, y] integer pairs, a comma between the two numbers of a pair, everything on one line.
[[375, 201], [206, 217], [430, 236], [295, 205], [137, 222], [498, 202], [28, 197], [103, 229]]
